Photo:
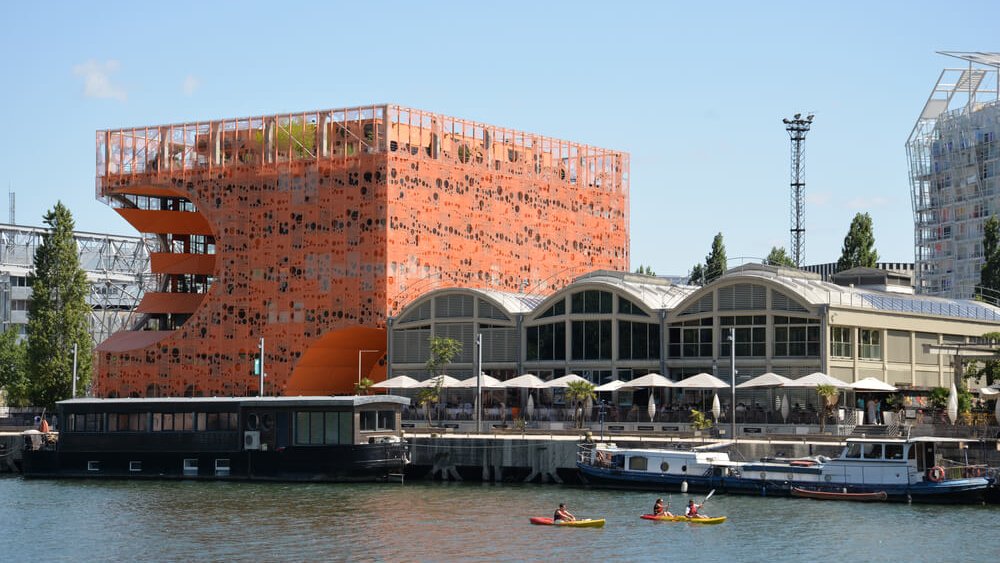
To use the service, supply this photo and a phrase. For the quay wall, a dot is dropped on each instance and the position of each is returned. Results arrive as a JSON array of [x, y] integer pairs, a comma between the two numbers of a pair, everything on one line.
[[10, 452]]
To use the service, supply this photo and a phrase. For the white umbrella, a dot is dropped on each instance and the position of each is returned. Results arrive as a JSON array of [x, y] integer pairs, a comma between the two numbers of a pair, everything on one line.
[[651, 408], [702, 381], [767, 380], [996, 410], [785, 409], [716, 407], [953, 404], [446, 381], [526, 381], [488, 382], [564, 381], [649, 380], [872, 384], [530, 409], [398, 382], [611, 385], [814, 380]]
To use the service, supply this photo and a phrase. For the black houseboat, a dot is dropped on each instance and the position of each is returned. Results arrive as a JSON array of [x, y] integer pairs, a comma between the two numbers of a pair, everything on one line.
[[350, 438]]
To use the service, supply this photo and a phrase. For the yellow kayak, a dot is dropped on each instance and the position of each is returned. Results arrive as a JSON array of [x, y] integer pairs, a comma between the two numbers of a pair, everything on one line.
[[664, 518], [587, 523]]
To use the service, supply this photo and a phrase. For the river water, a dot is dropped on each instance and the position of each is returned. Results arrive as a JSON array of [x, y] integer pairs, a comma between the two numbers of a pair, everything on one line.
[[422, 521]]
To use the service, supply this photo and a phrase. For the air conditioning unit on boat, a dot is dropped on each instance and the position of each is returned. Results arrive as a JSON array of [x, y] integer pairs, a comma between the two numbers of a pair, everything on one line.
[[251, 440]]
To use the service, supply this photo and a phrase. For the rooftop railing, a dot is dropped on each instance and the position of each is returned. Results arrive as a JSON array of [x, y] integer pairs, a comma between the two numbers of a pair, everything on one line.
[[275, 140]]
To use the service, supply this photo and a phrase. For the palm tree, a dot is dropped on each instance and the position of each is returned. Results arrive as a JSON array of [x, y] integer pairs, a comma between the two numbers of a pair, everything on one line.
[[578, 392], [363, 387], [828, 396], [428, 396]]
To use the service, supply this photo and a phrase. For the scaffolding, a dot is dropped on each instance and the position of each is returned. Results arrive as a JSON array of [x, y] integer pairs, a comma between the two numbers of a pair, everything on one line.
[[954, 169], [117, 270]]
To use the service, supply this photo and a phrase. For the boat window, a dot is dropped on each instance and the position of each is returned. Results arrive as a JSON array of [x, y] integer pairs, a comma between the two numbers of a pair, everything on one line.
[[894, 451], [184, 421], [638, 463], [319, 428], [873, 451], [346, 427], [253, 421], [664, 466], [911, 453], [374, 421], [853, 451]]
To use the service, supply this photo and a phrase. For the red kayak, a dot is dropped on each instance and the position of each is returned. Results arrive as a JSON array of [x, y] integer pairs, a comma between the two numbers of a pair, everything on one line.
[[587, 523], [835, 495]]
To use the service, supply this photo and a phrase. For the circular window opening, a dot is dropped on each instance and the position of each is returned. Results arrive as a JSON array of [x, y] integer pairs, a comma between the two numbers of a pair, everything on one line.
[[664, 467], [267, 421], [253, 421]]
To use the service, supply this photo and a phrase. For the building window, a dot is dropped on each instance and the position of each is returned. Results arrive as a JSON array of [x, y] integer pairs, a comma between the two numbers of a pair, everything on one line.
[[691, 339], [638, 341], [796, 337], [626, 307], [751, 334], [592, 340], [222, 466], [591, 301], [558, 308], [546, 342], [870, 344], [842, 342], [190, 466]]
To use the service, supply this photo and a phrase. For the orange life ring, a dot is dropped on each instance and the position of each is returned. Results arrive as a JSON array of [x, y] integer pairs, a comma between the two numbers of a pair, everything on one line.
[[935, 474]]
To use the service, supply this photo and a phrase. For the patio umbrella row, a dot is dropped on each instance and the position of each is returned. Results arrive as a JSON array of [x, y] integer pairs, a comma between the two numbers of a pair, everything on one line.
[[699, 381]]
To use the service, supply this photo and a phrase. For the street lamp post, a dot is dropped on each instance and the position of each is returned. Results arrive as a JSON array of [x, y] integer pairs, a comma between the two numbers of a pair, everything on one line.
[[600, 414], [359, 361], [479, 382], [732, 376]]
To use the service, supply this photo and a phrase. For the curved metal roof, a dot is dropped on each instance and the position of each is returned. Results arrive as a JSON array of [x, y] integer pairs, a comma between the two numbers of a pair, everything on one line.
[[815, 291], [653, 292]]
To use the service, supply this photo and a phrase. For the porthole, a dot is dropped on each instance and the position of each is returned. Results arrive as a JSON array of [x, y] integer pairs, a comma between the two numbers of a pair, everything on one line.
[[267, 421], [828, 478], [664, 467], [684, 468], [253, 421], [763, 475]]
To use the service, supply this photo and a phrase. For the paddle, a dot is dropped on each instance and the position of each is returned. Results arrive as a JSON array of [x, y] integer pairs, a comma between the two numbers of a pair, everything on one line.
[[708, 496]]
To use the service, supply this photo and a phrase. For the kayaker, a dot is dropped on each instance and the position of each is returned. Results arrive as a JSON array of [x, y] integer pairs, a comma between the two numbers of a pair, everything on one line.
[[658, 507], [562, 514], [692, 510]]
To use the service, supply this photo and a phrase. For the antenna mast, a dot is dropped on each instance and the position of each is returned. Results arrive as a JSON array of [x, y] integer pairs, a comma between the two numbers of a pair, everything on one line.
[[10, 193], [797, 128]]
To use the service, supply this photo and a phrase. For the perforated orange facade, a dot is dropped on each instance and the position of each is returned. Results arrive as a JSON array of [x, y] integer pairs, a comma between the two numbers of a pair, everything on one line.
[[310, 230]]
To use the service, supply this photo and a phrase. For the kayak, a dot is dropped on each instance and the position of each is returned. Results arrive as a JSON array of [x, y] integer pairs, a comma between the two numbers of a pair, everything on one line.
[[586, 523], [835, 495], [677, 518]]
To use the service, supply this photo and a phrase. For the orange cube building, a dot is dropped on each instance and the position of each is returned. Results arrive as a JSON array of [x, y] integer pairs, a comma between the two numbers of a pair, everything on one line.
[[310, 230]]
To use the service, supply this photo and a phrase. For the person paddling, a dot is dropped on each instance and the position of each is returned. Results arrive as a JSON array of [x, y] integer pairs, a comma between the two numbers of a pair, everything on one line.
[[692, 510], [562, 515], [658, 507]]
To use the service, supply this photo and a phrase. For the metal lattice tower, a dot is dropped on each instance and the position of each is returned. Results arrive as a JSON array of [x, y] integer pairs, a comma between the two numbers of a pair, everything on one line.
[[797, 128]]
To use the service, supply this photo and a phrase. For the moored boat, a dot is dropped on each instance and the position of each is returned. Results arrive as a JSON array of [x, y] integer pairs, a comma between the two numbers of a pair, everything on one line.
[[902, 469], [349, 438], [838, 495]]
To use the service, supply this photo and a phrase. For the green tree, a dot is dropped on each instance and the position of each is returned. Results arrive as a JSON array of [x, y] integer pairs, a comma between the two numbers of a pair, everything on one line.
[[989, 274], [577, 392], [58, 314], [442, 351], [828, 397], [859, 245], [715, 262], [779, 257], [986, 369], [645, 270], [697, 275], [13, 369]]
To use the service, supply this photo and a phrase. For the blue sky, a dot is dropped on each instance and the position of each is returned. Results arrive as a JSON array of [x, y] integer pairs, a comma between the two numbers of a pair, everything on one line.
[[694, 91]]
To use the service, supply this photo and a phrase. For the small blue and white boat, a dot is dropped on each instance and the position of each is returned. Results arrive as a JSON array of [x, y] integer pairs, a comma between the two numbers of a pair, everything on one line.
[[904, 469]]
